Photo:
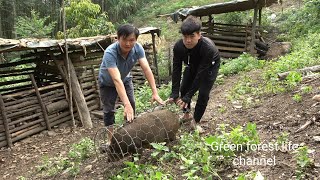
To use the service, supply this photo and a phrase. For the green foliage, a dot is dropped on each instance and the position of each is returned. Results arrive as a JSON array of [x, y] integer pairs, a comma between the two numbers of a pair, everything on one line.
[[247, 176], [244, 62], [303, 162], [195, 157], [71, 164], [306, 89], [21, 178], [293, 79], [222, 109], [119, 115], [34, 26], [233, 18], [143, 96], [297, 97], [283, 138], [134, 170], [299, 22], [305, 52], [84, 19], [245, 91], [169, 29], [81, 150]]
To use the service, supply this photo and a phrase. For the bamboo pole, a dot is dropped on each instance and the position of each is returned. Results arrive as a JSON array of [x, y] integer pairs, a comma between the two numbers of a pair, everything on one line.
[[5, 121], [66, 58], [43, 109], [253, 34], [155, 56]]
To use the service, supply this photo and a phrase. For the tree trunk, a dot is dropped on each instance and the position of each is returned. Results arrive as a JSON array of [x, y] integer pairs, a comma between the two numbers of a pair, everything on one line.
[[14, 15], [0, 22], [53, 15], [102, 5], [253, 33]]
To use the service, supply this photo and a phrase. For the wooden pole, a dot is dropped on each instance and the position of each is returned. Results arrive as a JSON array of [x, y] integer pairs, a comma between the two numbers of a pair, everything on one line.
[[260, 15], [43, 109], [169, 61], [5, 121], [155, 61], [79, 99], [97, 85], [253, 34], [67, 61]]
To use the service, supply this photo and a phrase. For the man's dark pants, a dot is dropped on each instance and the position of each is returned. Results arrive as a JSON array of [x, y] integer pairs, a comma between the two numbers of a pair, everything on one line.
[[108, 98], [206, 83]]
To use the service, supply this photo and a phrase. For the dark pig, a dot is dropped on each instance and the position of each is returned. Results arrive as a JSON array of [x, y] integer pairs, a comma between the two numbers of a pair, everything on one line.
[[155, 127]]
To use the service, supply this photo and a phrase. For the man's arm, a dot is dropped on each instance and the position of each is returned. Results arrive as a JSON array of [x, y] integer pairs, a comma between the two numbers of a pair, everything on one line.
[[149, 75], [176, 76], [116, 78]]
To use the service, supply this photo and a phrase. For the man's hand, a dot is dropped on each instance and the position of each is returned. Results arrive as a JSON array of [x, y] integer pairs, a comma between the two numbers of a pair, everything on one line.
[[128, 112], [156, 97], [170, 101], [181, 103]]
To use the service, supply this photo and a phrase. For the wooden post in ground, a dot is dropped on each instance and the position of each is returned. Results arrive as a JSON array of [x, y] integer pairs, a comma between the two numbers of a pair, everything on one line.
[[43, 109], [79, 98], [253, 33], [97, 86], [5, 122]]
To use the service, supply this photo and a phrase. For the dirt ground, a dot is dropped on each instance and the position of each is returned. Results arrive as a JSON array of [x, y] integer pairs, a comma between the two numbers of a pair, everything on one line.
[[274, 115]]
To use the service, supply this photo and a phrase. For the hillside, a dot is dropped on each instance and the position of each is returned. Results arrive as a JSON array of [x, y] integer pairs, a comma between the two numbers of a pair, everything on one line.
[[248, 105]]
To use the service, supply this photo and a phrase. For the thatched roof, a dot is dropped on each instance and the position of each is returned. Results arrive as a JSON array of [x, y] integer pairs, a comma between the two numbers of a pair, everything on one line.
[[7, 45], [219, 8]]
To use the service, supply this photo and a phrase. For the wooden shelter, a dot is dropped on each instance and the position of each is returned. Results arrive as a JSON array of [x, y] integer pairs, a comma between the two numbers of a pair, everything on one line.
[[34, 83], [232, 40]]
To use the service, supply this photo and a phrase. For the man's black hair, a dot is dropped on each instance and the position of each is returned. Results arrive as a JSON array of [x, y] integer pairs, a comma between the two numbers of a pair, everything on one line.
[[190, 25], [127, 29]]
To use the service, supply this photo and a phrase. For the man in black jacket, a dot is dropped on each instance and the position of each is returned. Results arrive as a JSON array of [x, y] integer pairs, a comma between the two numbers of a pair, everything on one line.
[[202, 62]]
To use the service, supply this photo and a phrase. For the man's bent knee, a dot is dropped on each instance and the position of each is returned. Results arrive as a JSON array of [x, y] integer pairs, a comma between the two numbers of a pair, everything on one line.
[[108, 118]]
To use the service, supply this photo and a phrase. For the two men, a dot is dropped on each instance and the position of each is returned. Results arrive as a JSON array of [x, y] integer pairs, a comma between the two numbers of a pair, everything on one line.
[[202, 61], [199, 54], [115, 78]]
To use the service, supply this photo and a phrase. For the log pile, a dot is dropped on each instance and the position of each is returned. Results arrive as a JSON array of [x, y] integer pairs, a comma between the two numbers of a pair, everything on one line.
[[23, 116], [90, 87], [233, 40], [137, 73]]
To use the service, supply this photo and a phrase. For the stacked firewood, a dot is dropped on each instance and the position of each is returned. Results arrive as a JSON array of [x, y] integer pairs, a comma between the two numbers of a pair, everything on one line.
[[22, 115]]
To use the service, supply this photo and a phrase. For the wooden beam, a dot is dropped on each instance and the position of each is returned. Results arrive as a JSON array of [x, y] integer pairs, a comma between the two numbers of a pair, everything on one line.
[[228, 43], [87, 63], [11, 64], [5, 121], [97, 86], [79, 98], [227, 38], [253, 33], [16, 70], [43, 109], [229, 54], [231, 48], [155, 56]]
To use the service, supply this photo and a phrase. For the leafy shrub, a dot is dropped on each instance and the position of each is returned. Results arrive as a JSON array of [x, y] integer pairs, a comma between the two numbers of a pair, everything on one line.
[[34, 26], [84, 19], [244, 62], [299, 22]]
